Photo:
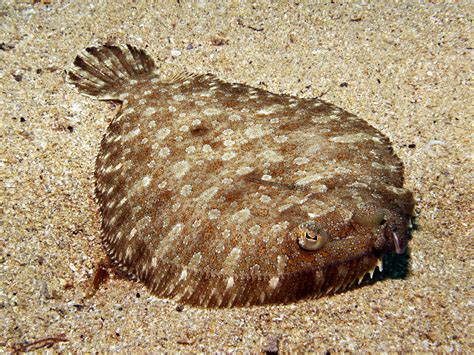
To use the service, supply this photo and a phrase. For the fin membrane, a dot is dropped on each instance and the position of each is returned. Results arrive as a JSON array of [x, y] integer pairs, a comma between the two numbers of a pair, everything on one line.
[[105, 71]]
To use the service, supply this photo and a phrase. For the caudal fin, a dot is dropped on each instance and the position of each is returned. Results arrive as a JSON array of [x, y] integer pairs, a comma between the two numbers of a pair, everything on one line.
[[105, 71]]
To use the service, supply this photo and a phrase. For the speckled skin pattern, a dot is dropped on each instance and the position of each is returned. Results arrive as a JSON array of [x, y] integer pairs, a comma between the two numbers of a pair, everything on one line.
[[220, 194]]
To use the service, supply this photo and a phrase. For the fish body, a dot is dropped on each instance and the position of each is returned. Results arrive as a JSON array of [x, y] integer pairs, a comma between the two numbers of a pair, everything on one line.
[[219, 194]]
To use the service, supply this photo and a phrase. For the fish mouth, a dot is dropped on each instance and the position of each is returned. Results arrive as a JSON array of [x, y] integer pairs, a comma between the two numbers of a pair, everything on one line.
[[396, 236]]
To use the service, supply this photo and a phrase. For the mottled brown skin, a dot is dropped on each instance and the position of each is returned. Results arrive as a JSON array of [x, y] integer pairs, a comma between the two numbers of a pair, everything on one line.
[[208, 189]]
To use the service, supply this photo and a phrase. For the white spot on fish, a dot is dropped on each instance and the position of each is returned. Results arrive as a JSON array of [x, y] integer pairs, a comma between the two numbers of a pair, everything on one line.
[[162, 133], [186, 190], [243, 170], [256, 131], [229, 156], [146, 181], [149, 111], [214, 214], [181, 168], [164, 152], [301, 160]]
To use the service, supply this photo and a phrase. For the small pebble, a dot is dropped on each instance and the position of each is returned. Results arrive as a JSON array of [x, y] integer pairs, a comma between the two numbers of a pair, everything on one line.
[[175, 53]]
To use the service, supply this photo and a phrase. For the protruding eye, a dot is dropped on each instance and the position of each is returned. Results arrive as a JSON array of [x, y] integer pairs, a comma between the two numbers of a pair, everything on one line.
[[311, 237]]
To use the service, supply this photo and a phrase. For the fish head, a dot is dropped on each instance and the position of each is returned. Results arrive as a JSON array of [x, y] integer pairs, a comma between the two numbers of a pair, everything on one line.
[[343, 248]]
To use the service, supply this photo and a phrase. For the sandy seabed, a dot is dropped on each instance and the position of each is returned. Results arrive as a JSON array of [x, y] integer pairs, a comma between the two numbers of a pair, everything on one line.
[[406, 68]]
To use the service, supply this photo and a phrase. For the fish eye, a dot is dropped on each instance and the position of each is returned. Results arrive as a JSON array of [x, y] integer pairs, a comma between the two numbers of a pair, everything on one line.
[[311, 237]]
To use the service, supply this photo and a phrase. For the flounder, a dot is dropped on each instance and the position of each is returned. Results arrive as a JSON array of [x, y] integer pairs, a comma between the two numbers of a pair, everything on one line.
[[220, 194]]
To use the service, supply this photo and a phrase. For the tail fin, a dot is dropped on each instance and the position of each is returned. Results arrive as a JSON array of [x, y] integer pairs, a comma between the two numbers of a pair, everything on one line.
[[104, 71]]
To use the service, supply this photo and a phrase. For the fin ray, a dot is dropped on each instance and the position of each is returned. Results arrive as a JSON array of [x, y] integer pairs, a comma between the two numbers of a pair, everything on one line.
[[101, 57]]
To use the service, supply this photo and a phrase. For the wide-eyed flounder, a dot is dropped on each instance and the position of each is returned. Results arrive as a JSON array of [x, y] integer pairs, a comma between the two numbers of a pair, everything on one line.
[[219, 194]]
